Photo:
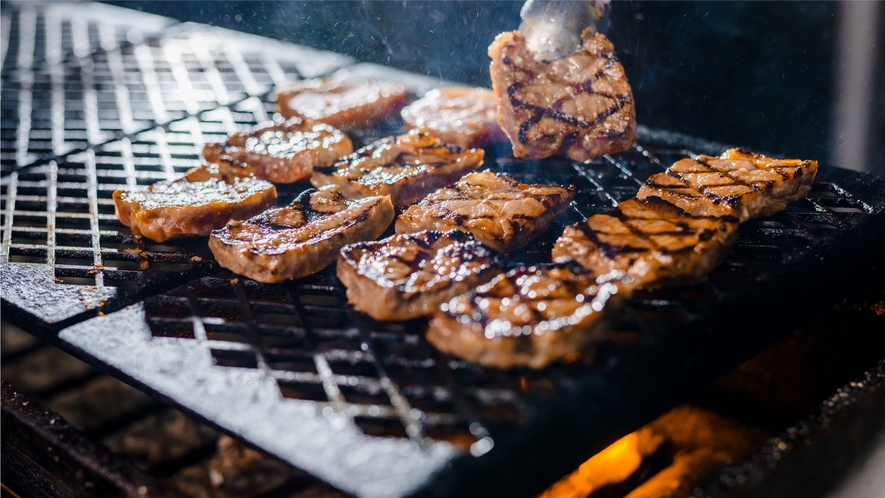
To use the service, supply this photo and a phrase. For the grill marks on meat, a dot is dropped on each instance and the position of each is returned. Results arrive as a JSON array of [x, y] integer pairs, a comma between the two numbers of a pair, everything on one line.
[[409, 276], [529, 316], [206, 198], [497, 210], [301, 238], [346, 105], [580, 105], [655, 243], [737, 183], [282, 152], [406, 168], [463, 116]]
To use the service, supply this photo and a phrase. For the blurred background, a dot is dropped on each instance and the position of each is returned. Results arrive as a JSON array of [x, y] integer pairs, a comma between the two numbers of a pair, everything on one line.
[[801, 79]]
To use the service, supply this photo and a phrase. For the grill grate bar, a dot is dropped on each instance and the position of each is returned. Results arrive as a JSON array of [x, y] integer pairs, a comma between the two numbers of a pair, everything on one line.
[[93, 218], [254, 336], [5, 27], [211, 72], [413, 426], [51, 207], [27, 36], [11, 190], [322, 364], [152, 85]]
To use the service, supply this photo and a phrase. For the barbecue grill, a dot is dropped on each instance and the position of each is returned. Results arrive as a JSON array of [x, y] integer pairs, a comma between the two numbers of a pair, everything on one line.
[[96, 98]]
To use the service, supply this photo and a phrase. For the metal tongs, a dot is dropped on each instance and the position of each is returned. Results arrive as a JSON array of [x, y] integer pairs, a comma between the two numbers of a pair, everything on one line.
[[552, 28]]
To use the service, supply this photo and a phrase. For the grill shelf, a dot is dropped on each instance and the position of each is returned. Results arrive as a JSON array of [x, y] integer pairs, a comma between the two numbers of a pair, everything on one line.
[[124, 99]]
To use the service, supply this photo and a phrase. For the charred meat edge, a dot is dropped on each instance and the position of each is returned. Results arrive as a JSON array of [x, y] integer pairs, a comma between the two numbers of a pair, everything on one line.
[[383, 302], [372, 217], [409, 221], [196, 220], [407, 189], [755, 199], [450, 333], [653, 267]]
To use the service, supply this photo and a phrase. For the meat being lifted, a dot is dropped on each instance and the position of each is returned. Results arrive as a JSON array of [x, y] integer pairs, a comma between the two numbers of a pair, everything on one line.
[[579, 105], [206, 198], [406, 168], [497, 210], [655, 243], [408, 276], [737, 183], [463, 116], [301, 238], [528, 317], [282, 151], [344, 104]]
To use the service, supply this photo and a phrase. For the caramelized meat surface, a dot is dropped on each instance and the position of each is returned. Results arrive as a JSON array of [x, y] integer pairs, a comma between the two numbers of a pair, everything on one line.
[[528, 317], [463, 116], [737, 183], [299, 239], [346, 105], [654, 242], [408, 276], [580, 105], [499, 211], [406, 168], [206, 198], [282, 152]]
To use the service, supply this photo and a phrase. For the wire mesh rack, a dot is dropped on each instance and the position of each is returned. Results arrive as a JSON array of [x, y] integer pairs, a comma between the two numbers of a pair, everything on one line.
[[106, 100]]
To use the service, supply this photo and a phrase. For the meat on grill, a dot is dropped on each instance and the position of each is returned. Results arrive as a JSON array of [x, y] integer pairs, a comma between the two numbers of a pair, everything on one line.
[[299, 239], [409, 276], [528, 317], [499, 211], [406, 168], [580, 105], [737, 183], [282, 151], [206, 198], [463, 116], [655, 243], [344, 104]]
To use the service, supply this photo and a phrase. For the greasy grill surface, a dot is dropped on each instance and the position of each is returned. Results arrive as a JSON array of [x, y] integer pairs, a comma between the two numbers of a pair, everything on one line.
[[289, 367]]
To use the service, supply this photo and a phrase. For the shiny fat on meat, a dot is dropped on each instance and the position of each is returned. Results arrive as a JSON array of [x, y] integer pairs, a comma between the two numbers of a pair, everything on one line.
[[282, 151], [299, 239], [529, 317], [406, 168], [206, 198], [406, 276], [497, 210]]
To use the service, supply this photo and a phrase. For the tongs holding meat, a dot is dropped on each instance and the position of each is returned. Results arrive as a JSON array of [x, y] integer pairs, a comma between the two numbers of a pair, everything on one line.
[[566, 95], [552, 28]]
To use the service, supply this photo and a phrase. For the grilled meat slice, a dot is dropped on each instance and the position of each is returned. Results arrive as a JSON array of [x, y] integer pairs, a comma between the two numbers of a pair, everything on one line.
[[346, 105], [528, 316], [463, 116], [580, 105], [499, 211], [283, 151], [737, 183], [206, 198], [301, 238], [408, 276], [406, 168], [654, 242]]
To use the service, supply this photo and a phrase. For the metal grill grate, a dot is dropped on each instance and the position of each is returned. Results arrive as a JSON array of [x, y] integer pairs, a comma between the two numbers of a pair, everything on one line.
[[78, 124]]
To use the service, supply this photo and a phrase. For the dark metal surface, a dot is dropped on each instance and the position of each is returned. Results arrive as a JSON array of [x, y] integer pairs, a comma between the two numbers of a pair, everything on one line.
[[369, 407], [43, 456]]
